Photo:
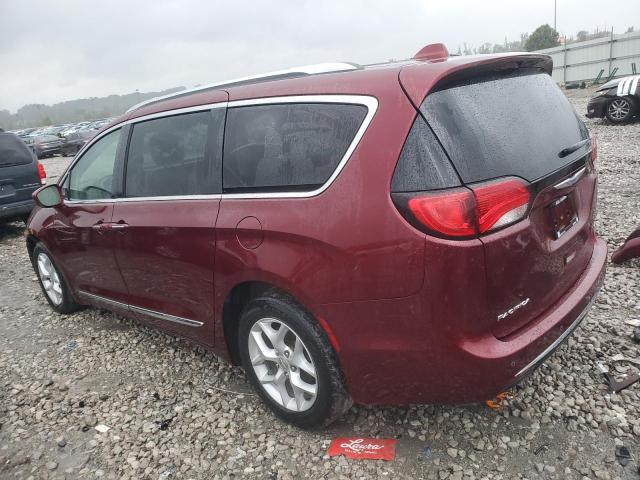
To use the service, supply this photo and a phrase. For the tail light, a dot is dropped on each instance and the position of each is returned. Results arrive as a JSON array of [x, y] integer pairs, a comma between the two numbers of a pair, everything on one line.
[[594, 149], [42, 173], [500, 203], [467, 212]]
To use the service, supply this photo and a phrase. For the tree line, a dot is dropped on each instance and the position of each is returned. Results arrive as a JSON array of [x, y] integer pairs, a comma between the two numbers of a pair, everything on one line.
[[74, 111], [542, 37]]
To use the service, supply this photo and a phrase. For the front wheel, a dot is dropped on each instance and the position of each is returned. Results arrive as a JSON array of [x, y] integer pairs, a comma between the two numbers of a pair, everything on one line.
[[53, 285], [620, 110], [290, 362]]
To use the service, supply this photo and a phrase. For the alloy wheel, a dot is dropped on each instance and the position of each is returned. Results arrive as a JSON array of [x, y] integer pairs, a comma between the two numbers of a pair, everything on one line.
[[282, 365], [619, 108], [49, 278]]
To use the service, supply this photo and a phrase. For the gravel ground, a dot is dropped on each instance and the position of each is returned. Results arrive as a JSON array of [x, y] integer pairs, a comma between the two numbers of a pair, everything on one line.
[[175, 411]]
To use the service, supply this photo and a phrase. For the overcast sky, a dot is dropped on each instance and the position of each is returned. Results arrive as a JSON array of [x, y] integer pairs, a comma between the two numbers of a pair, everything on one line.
[[51, 51]]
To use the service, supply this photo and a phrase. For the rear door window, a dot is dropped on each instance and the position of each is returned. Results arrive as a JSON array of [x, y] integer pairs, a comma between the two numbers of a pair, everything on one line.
[[505, 126], [284, 147], [171, 156]]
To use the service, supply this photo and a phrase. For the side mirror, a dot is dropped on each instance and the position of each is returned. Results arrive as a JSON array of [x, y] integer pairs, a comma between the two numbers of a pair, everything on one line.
[[48, 196]]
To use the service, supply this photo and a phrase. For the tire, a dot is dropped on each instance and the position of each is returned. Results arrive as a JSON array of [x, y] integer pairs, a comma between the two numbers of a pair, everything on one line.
[[49, 275], [620, 109], [271, 312]]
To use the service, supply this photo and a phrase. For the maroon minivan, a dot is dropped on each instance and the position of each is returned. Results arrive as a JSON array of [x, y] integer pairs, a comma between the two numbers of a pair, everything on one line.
[[409, 232]]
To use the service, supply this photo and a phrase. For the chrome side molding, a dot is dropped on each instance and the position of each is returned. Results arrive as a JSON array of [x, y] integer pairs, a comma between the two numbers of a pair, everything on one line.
[[144, 311], [166, 316], [550, 349]]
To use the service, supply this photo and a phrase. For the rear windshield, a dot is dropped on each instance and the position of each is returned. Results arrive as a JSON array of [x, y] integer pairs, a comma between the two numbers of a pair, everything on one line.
[[507, 126], [13, 151]]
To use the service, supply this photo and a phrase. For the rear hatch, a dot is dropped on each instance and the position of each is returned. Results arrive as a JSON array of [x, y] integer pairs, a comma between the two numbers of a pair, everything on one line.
[[524, 161], [19, 175]]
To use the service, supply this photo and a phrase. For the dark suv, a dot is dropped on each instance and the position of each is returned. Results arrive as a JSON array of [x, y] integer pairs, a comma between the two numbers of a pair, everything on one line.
[[20, 175], [388, 234]]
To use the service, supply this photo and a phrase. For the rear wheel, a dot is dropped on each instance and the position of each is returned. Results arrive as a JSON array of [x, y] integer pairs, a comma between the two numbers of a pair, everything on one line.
[[53, 285], [620, 110], [290, 362]]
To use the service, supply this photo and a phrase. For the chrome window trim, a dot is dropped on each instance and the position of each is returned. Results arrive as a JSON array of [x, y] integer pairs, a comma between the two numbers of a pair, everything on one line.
[[150, 116], [366, 100], [145, 311]]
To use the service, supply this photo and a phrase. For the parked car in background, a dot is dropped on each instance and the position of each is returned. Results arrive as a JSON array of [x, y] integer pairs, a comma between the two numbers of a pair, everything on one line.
[[618, 100], [381, 235], [20, 175], [72, 143], [29, 141], [47, 145]]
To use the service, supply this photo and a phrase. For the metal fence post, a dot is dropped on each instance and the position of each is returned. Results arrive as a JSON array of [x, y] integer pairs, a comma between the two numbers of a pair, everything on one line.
[[611, 51], [564, 63]]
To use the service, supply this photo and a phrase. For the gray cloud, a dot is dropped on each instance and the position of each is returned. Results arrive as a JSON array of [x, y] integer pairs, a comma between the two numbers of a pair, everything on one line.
[[55, 51]]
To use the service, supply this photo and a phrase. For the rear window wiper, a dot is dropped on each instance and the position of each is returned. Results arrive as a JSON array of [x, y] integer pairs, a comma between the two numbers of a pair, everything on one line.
[[576, 146]]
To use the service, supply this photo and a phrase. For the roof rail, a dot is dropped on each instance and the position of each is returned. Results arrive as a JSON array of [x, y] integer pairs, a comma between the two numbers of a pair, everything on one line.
[[277, 75]]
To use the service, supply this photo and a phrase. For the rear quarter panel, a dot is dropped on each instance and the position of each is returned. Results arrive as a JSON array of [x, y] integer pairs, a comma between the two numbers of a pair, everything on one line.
[[346, 244]]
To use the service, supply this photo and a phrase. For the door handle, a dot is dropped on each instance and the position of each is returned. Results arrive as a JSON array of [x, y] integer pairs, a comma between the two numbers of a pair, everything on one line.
[[120, 226], [100, 227]]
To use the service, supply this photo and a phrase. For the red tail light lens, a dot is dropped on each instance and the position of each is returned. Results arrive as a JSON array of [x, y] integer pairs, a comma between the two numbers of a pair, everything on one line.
[[594, 149], [466, 212], [42, 173], [449, 213], [500, 203]]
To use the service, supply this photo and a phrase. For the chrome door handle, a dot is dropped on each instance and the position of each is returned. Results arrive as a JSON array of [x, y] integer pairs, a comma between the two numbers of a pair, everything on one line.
[[119, 226], [100, 227], [572, 180]]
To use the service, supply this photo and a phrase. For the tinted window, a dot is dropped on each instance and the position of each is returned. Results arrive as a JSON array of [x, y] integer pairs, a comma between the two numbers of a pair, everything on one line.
[[168, 156], [423, 164], [287, 146], [507, 126], [13, 151], [92, 176]]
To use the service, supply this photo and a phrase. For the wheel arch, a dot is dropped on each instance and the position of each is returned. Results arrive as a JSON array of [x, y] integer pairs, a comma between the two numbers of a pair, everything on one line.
[[32, 241], [235, 302]]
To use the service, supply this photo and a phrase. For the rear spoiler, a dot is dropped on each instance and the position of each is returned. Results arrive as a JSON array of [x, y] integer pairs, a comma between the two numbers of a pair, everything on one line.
[[420, 78]]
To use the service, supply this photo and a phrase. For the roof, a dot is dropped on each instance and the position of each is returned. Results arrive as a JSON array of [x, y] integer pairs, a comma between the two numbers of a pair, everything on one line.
[[432, 61], [270, 76]]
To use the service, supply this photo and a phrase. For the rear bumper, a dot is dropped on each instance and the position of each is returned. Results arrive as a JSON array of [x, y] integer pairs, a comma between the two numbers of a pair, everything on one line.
[[596, 107], [394, 353], [17, 209]]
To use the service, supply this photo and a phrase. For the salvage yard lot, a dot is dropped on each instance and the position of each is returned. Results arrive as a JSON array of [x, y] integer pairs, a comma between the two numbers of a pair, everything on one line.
[[175, 411]]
